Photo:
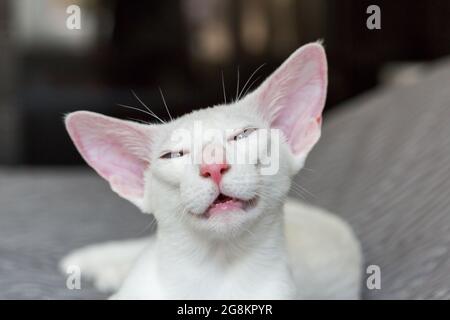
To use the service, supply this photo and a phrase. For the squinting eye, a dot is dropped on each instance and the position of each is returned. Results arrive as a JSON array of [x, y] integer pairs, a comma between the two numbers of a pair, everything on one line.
[[171, 155], [244, 134]]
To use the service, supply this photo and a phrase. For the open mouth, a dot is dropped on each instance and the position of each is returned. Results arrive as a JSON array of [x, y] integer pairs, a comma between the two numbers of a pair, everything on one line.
[[224, 203]]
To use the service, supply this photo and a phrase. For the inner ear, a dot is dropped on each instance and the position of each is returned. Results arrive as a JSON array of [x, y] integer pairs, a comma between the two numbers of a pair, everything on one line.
[[118, 150], [293, 97]]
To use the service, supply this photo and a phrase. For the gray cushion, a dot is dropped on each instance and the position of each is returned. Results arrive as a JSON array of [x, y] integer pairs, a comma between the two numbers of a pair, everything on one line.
[[46, 213]]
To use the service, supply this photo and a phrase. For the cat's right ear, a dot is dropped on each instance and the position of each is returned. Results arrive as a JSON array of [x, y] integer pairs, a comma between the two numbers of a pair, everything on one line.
[[293, 97], [118, 150]]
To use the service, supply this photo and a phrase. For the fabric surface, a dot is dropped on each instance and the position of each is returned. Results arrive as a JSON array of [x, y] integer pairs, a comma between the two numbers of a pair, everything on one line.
[[382, 164], [46, 213]]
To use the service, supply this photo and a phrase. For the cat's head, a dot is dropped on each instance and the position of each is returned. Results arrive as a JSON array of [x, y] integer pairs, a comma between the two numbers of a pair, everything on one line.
[[215, 170]]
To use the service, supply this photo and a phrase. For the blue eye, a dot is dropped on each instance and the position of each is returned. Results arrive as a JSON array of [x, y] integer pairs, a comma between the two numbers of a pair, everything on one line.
[[244, 134], [173, 154]]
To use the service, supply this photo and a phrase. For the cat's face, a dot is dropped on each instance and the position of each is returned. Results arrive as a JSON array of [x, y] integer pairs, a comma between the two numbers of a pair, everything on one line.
[[212, 170], [216, 170]]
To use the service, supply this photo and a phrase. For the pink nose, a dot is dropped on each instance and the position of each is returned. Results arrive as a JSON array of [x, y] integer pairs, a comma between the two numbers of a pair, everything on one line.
[[214, 171]]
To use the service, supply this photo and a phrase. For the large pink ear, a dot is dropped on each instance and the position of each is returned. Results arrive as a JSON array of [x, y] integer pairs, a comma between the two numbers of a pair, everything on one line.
[[293, 97], [118, 150]]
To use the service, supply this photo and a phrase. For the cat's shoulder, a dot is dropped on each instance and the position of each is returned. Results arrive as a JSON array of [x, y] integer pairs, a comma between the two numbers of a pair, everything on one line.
[[324, 247], [307, 217]]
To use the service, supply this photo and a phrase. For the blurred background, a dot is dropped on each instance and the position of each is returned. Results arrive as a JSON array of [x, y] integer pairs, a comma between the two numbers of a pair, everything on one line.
[[183, 47]]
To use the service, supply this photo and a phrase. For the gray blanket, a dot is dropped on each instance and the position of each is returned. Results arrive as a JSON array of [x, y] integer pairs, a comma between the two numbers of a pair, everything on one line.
[[382, 164]]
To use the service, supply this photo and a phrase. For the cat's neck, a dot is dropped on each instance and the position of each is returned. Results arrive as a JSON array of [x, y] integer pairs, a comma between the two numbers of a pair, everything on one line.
[[187, 256], [265, 236]]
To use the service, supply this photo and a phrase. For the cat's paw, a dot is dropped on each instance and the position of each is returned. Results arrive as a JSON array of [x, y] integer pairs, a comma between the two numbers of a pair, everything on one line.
[[106, 264], [98, 264]]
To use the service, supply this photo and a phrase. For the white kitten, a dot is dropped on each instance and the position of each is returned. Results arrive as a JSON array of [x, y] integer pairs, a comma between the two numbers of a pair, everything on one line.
[[222, 233]]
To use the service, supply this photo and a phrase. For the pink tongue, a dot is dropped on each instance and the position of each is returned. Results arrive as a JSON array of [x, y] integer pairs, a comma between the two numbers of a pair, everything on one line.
[[229, 205]]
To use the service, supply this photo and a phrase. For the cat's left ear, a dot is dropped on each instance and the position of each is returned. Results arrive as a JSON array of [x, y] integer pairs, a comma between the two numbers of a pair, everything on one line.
[[293, 97]]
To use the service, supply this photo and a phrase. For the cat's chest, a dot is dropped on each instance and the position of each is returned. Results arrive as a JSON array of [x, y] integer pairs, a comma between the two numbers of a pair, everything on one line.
[[151, 280], [234, 284], [213, 283]]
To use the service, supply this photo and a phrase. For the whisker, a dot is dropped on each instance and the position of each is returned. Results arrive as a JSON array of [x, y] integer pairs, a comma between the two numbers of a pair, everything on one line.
[[237, 85], [141, 102], [302, 189], [250, 78], [140, 110], [134, 108], [298, 193], [223, 88], [184, 215], [146, 107], [251, 85], [149, 226], [165, 104], [271, 197], [138, 120], [301, 193], [308, 169]]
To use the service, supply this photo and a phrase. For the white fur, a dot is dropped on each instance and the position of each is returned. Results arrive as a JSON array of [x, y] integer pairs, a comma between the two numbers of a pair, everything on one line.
[[323, 254], [257, 254]]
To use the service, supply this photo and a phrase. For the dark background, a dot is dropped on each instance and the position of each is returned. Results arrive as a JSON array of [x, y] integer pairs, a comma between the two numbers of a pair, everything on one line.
[[182, 47]]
